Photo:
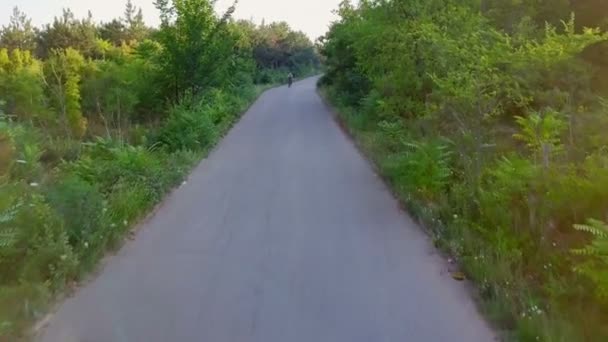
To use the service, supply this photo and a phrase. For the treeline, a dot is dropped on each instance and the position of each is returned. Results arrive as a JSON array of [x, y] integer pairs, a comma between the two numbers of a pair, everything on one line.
[[275, 47], [99, 121], [489, 118]]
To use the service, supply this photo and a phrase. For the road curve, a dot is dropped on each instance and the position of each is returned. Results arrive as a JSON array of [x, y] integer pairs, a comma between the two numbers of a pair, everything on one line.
[[284, 234]]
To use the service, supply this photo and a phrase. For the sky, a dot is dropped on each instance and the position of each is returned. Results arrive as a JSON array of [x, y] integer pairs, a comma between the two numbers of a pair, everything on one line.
[[310, 16]]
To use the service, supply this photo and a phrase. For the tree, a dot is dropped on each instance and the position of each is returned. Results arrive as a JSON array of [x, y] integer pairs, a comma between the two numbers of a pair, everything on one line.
[[128, 29], [62, 77], [19, 33], [198, 48], [21, 85], [277, 46], [68, 32], [134, 23], [113, 31]]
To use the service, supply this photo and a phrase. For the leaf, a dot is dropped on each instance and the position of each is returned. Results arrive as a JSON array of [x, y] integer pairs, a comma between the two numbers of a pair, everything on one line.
[[8, 237], [460, 276]]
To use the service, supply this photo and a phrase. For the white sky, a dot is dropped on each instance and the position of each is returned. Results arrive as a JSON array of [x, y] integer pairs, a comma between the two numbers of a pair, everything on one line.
[[310, 16]]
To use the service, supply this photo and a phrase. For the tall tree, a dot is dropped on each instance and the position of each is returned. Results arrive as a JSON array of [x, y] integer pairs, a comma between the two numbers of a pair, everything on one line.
[[113, 31], [134, 22], [62, 78], [67, 31], [197, 45], [19, 33]]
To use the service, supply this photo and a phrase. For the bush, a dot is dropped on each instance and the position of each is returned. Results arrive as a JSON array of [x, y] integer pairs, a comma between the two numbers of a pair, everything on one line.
[[423, 169], [35, 245], [80, 206], [190, 129]]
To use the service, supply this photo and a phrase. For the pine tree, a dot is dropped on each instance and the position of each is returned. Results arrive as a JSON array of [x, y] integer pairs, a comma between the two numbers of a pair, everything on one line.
[[19, 33]]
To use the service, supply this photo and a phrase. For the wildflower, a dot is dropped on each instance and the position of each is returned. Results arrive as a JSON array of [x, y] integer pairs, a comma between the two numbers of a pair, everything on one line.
[[34, 184], [125, 223], [21, 161]]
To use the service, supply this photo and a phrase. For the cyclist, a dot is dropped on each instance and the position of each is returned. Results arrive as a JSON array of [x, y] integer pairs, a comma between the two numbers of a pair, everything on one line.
[[290, 79]]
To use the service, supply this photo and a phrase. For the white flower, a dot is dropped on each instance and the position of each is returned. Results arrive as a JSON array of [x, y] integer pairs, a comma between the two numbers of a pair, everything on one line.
[[86, 245], [34, 184], [125, 223], [21, 161]]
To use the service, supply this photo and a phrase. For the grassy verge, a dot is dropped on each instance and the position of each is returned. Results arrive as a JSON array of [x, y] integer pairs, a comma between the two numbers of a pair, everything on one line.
[[526, 291], [66, 204]]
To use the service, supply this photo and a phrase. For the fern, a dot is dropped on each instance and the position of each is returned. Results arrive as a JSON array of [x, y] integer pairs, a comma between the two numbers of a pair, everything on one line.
[[595, 265], [541, 133], [8, 215], [595, 227], [8, 236]]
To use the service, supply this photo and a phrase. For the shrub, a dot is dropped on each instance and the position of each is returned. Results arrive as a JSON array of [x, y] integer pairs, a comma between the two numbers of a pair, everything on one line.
[[190, 129], [80, 206], [37, 248], [595, 266], [424, 168]]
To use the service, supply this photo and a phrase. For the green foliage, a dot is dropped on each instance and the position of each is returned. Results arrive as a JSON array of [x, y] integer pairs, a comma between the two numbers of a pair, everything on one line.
[[68, 32], [62, 74], [21, 77], [39, 249], [7, 149], [129, 28], [542, 134], [19, 33], [197, 46], [278, 50], [424, 168], [187, 129], [595, 267], [80, 204]]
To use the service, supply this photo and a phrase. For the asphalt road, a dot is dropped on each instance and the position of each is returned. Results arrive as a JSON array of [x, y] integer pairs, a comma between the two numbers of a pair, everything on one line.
[[284, 234]]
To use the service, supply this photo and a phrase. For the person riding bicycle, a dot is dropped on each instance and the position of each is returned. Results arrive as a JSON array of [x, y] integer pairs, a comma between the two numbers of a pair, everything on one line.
[[290, 79]]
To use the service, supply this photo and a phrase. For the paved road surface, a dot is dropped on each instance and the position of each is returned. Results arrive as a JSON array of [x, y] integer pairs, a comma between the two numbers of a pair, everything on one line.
[[284, 234]]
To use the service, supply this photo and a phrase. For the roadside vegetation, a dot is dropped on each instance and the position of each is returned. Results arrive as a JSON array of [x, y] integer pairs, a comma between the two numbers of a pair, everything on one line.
[[490, 121], [98, 121]]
